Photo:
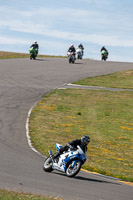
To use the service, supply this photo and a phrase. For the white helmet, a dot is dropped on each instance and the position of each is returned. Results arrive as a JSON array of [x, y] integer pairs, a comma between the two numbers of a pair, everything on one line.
[[35, 42]]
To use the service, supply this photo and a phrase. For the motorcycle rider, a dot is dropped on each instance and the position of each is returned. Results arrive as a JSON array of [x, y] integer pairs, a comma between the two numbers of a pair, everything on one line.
[[104, 49], [35, 46], [72, 49], [84, 141], [80, 46]]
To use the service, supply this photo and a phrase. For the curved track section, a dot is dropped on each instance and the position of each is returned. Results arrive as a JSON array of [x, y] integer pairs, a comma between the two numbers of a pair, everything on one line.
[[22, 83]]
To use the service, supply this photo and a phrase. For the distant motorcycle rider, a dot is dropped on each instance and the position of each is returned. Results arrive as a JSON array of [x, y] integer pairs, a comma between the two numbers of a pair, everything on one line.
[[73, 145], [72, 49], [104, 49], [35, 46], [80, 46]]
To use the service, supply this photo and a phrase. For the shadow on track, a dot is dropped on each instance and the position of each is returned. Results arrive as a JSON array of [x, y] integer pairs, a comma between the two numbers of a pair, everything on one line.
[[86, 179], [94, 180], [78, 63], [41, 59]]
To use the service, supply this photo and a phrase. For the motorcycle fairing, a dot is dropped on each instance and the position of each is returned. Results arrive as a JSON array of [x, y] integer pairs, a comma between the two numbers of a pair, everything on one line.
[[58, 146], [67, 157]]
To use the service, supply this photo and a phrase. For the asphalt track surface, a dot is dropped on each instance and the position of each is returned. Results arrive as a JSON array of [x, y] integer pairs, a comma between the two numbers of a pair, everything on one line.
[[22, 83]]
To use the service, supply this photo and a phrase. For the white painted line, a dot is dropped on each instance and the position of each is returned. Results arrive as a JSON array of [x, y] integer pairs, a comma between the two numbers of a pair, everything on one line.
[[27, 132]]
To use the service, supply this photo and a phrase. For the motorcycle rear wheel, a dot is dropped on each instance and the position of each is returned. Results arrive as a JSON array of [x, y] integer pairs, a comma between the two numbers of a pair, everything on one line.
[[47, 166], [71, 172]]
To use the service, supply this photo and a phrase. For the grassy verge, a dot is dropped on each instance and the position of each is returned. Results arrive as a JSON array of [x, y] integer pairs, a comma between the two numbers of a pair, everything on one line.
[[8, 195], [122, 79], [7, 55], [106, 116]]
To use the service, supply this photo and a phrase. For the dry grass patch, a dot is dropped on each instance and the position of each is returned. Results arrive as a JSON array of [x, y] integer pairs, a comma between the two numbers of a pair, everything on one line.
[[6, 55]]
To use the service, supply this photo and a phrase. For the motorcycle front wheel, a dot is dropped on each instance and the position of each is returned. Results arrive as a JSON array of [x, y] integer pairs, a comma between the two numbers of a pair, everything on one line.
[[71, 171], [34, 57], [73, 61], [104, 58], [47, 166], [70, 60]]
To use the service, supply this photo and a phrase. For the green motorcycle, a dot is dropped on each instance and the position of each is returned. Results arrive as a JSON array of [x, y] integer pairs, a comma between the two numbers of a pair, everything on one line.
[[104, 55], [33, 53]]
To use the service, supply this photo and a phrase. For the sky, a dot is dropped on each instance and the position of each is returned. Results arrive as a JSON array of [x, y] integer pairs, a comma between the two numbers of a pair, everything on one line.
[[56, 24]]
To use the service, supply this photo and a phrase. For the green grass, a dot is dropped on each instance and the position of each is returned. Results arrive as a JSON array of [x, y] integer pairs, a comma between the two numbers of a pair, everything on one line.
[[122, 79], [8, 195], [9, 55], [106, 116]]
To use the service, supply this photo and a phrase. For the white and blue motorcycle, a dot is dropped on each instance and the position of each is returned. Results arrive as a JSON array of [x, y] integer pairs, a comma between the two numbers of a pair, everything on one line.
[[69, 162], [79, 53]]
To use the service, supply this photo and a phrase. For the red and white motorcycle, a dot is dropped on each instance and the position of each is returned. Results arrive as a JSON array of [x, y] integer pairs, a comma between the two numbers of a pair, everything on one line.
[[71, 56]]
